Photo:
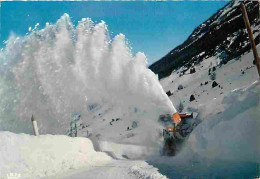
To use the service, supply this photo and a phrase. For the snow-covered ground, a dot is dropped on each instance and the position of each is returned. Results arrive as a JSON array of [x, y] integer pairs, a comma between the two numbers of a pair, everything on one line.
[[117, 169]]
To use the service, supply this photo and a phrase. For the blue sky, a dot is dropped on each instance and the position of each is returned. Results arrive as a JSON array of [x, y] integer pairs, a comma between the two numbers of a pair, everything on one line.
[[154, 28]]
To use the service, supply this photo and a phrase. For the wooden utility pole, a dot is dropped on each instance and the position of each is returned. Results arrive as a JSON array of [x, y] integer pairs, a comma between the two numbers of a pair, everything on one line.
[[259, 10], [251, 37]]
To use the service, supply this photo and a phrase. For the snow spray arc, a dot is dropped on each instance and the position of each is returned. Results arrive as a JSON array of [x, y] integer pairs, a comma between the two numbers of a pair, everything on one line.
[[62, 69]]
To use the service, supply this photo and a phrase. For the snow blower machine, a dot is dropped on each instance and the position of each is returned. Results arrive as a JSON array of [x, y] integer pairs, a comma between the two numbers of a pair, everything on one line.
[[178, 127]]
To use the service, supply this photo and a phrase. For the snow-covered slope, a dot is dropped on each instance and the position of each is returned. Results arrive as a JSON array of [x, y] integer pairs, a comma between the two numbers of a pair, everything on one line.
[[237, 73]]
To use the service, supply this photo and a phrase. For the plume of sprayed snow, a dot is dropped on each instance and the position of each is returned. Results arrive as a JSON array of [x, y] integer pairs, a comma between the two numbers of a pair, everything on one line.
[[62, 69]]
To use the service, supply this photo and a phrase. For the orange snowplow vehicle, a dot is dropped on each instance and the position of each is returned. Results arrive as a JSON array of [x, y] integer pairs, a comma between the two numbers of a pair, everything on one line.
[[178, 127]]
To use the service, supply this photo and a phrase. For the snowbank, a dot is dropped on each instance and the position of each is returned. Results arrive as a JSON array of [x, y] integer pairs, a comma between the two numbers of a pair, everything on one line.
[[45, 155], [232, 134]]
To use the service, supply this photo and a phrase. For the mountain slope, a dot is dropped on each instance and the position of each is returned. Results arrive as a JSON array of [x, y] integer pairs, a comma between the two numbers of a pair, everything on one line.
[[224, 34]]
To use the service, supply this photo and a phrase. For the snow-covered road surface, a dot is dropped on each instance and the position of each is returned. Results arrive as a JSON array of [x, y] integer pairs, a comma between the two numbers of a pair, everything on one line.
[[117, 169]]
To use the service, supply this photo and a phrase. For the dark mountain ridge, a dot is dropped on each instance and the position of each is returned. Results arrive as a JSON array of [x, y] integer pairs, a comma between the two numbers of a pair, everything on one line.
[[223, 34]]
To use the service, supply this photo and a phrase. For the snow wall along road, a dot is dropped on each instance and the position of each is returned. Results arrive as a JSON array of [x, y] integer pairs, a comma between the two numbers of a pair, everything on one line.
[[63, 69], [42, 156]]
